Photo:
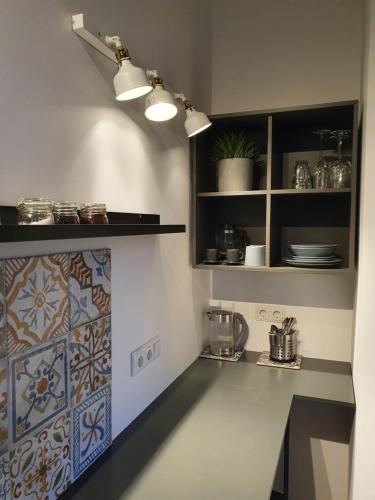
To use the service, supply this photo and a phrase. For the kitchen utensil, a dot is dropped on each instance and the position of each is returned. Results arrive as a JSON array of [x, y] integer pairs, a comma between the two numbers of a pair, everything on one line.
[[284, 326], [290, 323], [228, 332], [255, 255], [274, 329]]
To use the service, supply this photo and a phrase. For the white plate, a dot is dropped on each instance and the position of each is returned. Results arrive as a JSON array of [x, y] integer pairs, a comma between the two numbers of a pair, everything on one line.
[[301, 263], [315, 259], [312, 245]]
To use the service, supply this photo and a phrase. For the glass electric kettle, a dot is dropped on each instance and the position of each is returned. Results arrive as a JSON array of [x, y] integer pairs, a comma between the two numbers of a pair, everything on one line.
[[228, 332]]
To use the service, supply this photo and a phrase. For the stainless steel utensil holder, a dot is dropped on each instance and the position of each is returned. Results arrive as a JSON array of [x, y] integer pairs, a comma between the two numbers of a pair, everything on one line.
[[283, 347]]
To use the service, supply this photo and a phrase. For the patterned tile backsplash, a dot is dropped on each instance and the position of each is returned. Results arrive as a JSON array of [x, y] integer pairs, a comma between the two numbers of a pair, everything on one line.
[[37, 306], [90, 359], [91, 429], [89, 286], [55, 370]]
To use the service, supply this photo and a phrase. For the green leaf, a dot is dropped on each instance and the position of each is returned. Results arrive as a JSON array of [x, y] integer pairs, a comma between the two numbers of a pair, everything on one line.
[[27, 462], [234, 145], [57, 437]]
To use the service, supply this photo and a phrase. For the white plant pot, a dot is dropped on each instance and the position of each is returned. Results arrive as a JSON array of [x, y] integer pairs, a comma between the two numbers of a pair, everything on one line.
[[235, 174]]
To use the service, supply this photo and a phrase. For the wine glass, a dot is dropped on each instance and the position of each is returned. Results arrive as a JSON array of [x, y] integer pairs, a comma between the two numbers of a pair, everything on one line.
[[341, 169], [320, 172]]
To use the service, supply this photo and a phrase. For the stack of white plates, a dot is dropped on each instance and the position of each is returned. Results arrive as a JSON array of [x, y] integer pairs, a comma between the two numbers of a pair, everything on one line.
[[313, 255]]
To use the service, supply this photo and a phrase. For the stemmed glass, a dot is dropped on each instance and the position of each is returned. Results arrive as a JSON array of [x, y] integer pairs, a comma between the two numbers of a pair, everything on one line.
[[341, 169], [320, 174]]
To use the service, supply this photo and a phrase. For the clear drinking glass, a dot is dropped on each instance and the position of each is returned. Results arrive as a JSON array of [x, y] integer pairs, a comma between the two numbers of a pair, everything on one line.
[[320, 173], [302, 175], [341, 169]]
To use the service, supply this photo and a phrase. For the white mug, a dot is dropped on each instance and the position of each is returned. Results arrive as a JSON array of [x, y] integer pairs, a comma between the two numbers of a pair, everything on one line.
[[255, 255]]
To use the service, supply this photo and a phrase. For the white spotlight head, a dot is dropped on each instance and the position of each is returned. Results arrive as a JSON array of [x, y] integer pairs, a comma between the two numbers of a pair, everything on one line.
[[130, 82], [195, 122], [160, 105]]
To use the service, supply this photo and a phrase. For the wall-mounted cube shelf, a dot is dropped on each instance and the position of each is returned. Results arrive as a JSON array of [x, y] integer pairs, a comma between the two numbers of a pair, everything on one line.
[[273, 213]]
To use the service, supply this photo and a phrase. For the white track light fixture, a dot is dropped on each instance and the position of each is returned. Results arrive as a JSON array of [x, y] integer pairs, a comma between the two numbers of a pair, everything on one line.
[[130, 82], [196, 121], [160, 104]]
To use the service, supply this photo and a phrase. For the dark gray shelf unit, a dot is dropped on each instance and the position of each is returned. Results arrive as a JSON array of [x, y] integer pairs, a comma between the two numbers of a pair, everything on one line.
[[272, 213], [120, 224]]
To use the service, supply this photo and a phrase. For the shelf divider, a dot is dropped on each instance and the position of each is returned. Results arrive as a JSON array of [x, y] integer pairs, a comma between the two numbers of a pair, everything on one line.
[[310, 191], [218, 194], [269, 185]]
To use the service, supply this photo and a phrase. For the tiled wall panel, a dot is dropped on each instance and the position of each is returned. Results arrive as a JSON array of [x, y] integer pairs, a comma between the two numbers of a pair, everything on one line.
[[55, 370]]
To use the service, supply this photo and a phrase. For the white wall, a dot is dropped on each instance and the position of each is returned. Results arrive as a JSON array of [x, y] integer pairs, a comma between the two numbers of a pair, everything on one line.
[[63, 135], [321, 332], [273, 54], [363, 486]]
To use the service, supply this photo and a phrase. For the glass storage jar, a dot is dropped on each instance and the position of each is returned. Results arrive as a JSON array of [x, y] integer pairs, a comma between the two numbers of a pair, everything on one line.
[[66, 212], [35, 211], [93, 214]]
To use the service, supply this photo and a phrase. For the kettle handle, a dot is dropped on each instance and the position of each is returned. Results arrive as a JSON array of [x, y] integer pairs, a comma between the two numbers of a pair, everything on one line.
[[242, 333]]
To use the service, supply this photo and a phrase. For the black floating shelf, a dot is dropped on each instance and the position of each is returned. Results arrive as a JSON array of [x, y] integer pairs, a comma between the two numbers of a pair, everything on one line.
[[120, 224]]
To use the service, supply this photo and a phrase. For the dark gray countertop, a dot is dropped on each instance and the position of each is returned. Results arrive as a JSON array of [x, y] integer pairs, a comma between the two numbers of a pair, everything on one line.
[[215, 434]]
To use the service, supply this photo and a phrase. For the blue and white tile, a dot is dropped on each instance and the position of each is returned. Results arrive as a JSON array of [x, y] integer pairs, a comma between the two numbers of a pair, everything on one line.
[[38, 383], [92, 433], [40, 466], [37, 305], [3, 406], [5, 487], [90, 359], [3, 342], [89, 286]]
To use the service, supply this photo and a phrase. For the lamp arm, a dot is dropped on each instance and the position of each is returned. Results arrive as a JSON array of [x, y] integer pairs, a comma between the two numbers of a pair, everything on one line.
[[182, 99], [114, 41]]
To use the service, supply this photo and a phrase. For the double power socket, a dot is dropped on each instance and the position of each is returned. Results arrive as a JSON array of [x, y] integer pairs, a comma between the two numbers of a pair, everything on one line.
[[144, 355], [269, 313]]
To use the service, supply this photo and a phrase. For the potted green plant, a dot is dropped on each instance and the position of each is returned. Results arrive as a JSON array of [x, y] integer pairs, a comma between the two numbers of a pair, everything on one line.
[[235, 154]]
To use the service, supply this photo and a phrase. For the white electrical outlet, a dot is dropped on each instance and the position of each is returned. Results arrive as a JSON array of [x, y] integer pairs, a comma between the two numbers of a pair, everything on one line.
[[144, 355], [269, 313]]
